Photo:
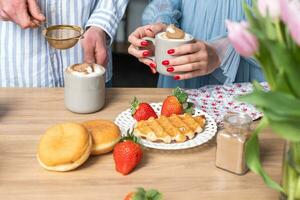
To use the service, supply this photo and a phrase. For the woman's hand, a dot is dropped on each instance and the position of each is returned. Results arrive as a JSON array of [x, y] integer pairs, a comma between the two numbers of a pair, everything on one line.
[[195, 59], [141, 48]]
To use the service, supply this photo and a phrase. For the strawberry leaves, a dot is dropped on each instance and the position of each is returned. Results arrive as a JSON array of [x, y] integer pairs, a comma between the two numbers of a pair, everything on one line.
[[182, 97], [142, 194], [131, 137], [188, 108], [153, 195], [134, 105]]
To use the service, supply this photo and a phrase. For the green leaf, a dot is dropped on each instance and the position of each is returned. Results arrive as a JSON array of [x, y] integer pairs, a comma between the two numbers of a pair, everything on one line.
[[257, 86], [140, 194], [131, 137], [190, 109], [269, 68], [281, 103], [134, 105], [180, 95], [282, 111], [253, 157], [270, 29], [282, 83], [250, 17], [287, 129], [287, 62], [153, 195]]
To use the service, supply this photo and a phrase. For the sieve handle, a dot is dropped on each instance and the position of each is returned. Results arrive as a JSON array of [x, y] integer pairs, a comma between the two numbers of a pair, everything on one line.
[[81, 35]]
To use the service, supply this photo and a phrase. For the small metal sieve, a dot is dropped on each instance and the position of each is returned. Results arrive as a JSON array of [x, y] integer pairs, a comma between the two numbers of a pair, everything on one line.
[[63, 36]]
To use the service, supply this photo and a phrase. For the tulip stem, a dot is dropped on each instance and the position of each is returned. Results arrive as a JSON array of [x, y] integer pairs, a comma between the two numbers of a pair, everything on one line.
[[291, 175], [279, 31], [288, 38]]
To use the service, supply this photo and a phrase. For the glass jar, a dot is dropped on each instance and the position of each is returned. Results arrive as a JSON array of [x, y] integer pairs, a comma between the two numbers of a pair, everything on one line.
[[230, 153], [291, 172]]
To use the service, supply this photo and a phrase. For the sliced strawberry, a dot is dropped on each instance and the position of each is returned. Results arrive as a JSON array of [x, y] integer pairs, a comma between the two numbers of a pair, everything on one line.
[[141, 111]]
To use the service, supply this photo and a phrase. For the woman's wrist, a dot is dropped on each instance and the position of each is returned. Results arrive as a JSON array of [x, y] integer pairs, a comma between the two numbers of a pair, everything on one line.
[[221, 46], [214, 59]]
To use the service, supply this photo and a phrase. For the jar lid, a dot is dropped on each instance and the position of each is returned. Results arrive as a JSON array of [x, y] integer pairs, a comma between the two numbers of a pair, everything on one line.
[[237, 119]]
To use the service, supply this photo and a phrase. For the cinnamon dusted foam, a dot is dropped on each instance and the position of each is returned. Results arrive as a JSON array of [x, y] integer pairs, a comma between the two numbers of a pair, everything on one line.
[[85, 69], [172, 32]]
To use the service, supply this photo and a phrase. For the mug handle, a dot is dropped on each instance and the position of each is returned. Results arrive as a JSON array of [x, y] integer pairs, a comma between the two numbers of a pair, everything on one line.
[[153, 42]]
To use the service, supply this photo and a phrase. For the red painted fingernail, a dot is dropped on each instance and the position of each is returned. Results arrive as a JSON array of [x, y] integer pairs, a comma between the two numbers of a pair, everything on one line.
[[149, 29], [171, 51], [176, 78], [153, 65], [165, 62], [170, 69], [144, 43], [146, 53]]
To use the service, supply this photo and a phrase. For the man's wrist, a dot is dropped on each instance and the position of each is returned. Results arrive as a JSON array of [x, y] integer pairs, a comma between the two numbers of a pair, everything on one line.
[[101, 32]]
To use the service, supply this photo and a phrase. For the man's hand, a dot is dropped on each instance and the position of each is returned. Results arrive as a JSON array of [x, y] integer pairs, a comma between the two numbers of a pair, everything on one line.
[[94, 46], [25, 13]]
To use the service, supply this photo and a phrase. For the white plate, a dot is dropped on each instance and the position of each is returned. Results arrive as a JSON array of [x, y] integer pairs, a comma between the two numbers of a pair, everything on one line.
[[125, 121]]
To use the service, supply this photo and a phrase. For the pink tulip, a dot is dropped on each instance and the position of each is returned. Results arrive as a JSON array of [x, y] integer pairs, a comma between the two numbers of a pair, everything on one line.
[[242, 40], [290, 14], [269, 7]]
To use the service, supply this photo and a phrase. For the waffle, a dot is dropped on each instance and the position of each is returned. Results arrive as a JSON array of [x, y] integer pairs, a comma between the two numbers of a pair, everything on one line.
[[176, 128]]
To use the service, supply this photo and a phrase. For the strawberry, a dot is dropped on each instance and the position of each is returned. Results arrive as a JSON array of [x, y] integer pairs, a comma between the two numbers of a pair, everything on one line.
[[171, 106], [142, 194], [141, 111], [127, 154], [130, 196], [177, 104]]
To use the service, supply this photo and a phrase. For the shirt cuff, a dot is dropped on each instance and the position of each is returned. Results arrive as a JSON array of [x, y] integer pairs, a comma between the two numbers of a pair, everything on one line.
[[227, 71], [105, 20], [230, 59]]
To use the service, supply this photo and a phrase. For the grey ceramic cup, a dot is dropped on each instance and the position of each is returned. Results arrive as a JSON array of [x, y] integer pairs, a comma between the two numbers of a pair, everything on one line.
[[84, 94], [162, 45]]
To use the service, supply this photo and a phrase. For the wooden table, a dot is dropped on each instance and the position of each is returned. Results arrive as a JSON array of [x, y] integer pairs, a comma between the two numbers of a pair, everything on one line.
[[180, 175]]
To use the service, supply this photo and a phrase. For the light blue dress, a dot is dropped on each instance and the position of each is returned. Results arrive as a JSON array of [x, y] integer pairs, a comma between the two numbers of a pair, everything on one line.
[[205, 20]]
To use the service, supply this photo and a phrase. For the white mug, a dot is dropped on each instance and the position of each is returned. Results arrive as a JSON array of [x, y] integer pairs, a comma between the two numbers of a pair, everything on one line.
[[84, 93], [162, 45]]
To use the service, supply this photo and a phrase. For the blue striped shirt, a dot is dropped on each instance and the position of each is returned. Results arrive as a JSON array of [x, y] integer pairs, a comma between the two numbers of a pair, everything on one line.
[[27, 60]]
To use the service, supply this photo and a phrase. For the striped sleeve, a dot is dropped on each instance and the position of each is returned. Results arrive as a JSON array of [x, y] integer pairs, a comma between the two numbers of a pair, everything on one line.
[[164, 11], [107, 15]]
